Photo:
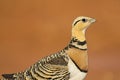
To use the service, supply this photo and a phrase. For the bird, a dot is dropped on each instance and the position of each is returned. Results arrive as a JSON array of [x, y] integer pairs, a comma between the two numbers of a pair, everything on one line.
[[70, 63]]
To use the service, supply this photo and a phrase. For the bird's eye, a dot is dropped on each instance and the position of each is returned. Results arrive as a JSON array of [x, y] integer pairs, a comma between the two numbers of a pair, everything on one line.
[[84, 20]]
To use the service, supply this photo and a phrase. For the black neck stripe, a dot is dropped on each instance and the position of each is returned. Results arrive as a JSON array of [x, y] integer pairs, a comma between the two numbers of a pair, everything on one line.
[[81, 43], [70, 46], [78, 41]]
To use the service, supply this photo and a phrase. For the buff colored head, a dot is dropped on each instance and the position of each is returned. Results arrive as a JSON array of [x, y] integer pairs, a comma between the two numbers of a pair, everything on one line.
[[82, 22], [80, 25]]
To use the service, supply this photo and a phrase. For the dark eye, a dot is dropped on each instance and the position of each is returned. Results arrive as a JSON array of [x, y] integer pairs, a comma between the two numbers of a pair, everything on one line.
[[84, 20]]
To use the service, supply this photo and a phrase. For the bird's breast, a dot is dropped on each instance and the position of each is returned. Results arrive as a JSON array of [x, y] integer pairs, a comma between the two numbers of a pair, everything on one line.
[[75, 73]]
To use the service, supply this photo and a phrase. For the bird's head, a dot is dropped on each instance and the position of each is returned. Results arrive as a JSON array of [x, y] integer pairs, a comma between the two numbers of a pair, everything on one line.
[[80, 24]]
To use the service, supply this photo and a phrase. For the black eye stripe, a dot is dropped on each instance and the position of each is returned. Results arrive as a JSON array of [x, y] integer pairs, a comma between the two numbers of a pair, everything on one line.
[[76, 22], [83, 20]]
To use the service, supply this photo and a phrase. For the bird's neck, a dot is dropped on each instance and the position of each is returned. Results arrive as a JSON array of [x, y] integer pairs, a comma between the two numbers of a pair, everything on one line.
[[80, 35], [77, 50], [78, 40]]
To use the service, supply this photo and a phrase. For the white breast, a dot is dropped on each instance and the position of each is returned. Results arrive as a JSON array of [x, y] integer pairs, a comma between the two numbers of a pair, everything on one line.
[[75, 73]]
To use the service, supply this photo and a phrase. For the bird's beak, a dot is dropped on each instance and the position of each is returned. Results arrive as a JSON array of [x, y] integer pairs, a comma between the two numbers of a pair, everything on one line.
[[92, 20]]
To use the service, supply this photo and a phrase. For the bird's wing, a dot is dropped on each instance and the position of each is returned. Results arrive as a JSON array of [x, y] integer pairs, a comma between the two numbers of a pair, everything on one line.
[[8, 76], [13, 76], [53, 67]]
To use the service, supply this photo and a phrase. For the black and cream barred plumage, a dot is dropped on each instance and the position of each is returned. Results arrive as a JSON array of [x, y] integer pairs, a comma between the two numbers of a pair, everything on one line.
[[53, 67], [68, 64]]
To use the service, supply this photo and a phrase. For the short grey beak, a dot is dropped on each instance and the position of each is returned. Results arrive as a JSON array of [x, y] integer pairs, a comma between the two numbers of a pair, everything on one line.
[[92, 20]]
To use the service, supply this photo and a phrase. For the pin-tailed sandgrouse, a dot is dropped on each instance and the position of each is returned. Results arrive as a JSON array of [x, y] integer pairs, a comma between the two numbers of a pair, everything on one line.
[[71, 63]]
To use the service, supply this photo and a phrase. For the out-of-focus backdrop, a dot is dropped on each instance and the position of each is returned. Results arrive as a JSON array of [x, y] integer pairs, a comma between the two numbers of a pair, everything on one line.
[[32, 29]]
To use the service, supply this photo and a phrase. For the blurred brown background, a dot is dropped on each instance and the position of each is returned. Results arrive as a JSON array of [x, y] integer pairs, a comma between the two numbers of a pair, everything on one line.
[[32, 29]]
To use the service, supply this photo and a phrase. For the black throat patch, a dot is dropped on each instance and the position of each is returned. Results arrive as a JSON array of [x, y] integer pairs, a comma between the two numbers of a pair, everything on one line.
[[77, 42], [81, 43]]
